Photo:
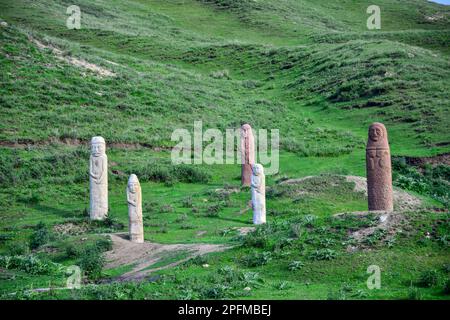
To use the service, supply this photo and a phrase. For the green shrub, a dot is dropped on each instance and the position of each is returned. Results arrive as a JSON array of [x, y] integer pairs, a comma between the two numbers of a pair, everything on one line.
[[17, 249], [73, 251], [428, 279], [257, 238], [446, 289], [323, 254], [295, 265], [414, 293], [218, 291], [256, 259], [104, 244], [431, 181], [213, 210], [30, 264], [190, 174], [92, 262], [187, 202], [40, 236]]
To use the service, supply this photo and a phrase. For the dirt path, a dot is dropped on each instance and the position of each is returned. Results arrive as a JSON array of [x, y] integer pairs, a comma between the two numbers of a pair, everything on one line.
[[141, 256], [403, 201], [60, 55]]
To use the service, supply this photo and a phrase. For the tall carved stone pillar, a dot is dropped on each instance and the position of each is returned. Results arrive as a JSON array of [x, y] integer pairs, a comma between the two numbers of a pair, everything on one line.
[[378, 166]]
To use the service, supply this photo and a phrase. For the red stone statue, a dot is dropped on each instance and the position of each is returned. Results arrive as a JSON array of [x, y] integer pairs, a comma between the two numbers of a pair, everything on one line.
[[247, 154], [378, 165]]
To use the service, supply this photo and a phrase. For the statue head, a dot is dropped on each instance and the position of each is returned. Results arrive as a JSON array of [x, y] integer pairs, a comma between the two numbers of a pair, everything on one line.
[[377, 136], [133, 183], [257, 169], [246, 129], [98, 146]]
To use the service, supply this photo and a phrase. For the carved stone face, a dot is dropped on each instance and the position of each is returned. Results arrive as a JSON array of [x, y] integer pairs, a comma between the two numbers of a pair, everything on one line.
[[257, 169], [133, 187], [376, 133], [246, 130], [97, 149]]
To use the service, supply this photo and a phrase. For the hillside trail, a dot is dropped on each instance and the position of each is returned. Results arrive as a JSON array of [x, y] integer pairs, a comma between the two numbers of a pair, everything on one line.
[[142, 256]]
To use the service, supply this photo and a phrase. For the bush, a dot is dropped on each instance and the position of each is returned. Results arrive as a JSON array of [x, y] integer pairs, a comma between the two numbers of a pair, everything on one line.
[[213, 210], [73, 251], [414, 294], [432, 181], [104, 244], [187, 202], [92, 262], [428, 279], [447, 287], [295, 265], [257, 259], [257, 238], [107, 225], [30, 264], [40, 236], [17, 249], [190, 174], [323, 254], [217, 291]]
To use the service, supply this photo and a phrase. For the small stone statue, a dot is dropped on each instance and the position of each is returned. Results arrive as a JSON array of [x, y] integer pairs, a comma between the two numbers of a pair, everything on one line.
[[378, 165], [134, 198], [258, 184], [98, 179], [247, 154]]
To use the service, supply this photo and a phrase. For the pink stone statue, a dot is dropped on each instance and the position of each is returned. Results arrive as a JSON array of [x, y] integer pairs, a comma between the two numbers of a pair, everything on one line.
[[378, 165], [247, 154]]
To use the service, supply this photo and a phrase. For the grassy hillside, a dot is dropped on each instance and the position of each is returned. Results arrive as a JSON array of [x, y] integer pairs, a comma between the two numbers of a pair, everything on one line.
[[137, 70]]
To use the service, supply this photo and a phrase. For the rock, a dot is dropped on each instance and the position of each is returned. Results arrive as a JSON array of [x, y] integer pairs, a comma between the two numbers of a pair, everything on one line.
[[98, 179], [378, 167], [4, 24], [205, 265], [247, 289]]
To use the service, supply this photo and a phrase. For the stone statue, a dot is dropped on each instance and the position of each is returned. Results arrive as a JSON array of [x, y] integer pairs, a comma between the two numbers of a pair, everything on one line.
[[378, 166], [258, 184], [98, 179], [247, 154], [134, 198]]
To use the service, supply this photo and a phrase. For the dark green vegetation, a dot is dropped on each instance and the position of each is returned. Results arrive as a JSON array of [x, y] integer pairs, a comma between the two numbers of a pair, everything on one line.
[[308, 68]]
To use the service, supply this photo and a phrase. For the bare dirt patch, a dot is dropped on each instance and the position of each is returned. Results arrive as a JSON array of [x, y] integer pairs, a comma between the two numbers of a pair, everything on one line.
[[388, 225], [71, 228], [141, 256], [60, 55], [435, 160], [402, 200], [296, 181], [243, 231]]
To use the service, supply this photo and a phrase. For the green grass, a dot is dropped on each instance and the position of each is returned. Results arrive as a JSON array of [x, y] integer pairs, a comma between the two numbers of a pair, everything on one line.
[[308, 68]]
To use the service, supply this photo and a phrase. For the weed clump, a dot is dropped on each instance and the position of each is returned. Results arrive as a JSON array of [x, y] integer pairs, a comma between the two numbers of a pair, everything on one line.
[[40, 236]]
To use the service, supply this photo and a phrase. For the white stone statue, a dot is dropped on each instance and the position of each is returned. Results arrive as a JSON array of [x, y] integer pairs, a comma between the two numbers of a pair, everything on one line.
[[258, 194], [98, 179], [134, 198]]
